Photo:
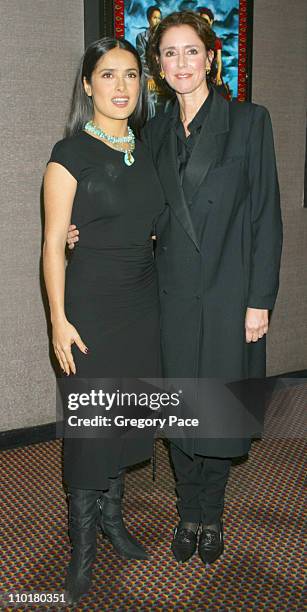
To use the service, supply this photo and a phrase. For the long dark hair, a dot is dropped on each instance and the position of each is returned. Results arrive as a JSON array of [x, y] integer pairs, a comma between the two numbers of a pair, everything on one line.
[[82, 109], [199, 25]]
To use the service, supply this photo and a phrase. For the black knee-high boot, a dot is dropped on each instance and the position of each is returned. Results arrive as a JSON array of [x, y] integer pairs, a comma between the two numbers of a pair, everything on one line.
[[82, 532], [112, 524]]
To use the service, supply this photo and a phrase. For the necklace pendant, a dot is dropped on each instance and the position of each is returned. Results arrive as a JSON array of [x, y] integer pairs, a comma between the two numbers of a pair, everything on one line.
[[128, 158]]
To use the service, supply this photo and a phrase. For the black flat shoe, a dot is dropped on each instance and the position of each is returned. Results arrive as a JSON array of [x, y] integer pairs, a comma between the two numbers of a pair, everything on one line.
[[185, 541], [211, 542]]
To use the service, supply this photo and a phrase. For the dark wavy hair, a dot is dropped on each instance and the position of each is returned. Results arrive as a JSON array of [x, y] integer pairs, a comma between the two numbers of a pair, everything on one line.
[[199, 25], [82, 109]]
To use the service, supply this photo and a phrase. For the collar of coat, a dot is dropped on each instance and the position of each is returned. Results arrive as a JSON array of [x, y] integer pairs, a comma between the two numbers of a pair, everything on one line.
[[198, 119], [204, 156]]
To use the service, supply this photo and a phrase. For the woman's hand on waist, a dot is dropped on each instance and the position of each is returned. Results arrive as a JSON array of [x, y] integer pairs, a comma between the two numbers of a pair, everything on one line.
[[63, 336], [72, 236]]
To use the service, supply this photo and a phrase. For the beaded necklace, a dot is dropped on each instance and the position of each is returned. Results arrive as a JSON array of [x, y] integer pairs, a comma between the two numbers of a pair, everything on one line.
[[115, 140]]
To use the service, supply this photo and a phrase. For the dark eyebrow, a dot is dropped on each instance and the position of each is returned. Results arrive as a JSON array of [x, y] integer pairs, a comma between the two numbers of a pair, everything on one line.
[[114, 69], [185, 47]]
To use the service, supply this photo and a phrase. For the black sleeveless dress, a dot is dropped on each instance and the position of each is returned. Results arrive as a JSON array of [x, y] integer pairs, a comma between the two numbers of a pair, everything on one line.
[[111, 293]]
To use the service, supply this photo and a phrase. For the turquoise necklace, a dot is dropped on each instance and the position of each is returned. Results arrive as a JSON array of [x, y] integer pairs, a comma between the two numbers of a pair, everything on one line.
[[115, 140]]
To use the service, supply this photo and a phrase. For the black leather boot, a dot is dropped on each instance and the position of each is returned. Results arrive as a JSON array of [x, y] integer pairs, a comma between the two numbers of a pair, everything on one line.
[[82, 532], [112, 524]]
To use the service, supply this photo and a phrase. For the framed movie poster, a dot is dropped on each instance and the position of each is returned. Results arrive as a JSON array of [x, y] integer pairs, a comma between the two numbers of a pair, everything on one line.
[[231, 21]]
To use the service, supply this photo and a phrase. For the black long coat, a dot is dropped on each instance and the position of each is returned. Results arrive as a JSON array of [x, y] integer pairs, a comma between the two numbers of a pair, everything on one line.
[[219, 241]]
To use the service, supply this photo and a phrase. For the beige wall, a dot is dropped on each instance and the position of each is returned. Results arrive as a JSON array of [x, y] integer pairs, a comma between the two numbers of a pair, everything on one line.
[[279, 82], [41, 42]]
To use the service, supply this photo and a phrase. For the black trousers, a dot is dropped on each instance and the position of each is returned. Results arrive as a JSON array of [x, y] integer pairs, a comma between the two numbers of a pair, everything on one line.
[[200, 486]]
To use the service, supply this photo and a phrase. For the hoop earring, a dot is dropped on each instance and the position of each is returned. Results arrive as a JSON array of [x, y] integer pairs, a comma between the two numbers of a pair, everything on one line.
[[162, 74]]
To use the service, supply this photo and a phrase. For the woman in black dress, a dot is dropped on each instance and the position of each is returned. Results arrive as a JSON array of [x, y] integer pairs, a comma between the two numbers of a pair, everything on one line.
[[104, 311]]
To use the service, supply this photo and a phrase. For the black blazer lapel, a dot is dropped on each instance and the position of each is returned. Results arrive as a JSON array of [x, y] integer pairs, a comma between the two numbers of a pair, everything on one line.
[[206, 150], [168, 172]]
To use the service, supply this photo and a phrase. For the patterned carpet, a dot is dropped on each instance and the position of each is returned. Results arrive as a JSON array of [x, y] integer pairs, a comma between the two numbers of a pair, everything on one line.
[[261, 569]]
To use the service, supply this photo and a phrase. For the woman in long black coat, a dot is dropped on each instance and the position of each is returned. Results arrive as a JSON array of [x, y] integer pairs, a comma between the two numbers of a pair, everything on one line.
[[218, 256]]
